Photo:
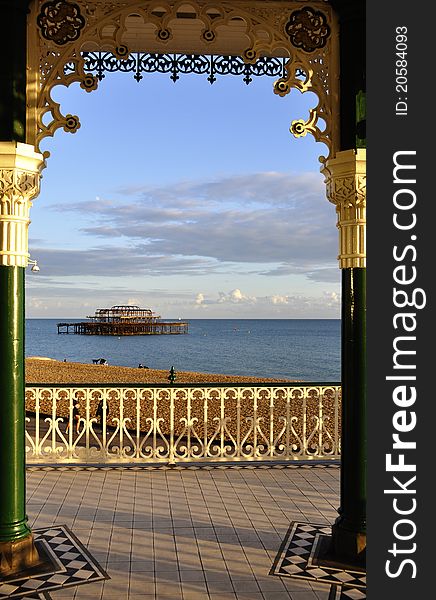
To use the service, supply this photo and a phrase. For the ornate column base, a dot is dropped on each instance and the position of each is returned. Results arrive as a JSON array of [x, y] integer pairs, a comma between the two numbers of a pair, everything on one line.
[[18, 556], [348, 545]]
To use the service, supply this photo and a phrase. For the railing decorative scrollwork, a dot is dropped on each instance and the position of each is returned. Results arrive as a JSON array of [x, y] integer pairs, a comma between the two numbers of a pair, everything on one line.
[[182, 423]]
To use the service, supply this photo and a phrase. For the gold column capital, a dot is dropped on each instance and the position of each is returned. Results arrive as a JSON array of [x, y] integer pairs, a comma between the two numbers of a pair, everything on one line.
[[345, 178], [20, 173]]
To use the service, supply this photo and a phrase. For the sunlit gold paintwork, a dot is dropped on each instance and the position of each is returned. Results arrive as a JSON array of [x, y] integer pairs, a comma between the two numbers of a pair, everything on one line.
[[346, 189], [20, 168], [184, 424], [242, 28]]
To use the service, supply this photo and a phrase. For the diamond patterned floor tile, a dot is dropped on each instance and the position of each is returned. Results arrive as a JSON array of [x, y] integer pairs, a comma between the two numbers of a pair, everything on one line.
[[65, 573], [297, 559]]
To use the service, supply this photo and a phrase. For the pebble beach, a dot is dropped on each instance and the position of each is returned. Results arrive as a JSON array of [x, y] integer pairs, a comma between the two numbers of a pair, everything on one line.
[[47, 370], [43, 370]]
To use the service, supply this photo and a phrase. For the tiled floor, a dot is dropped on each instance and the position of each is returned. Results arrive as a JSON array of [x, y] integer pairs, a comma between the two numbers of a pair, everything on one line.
[[185, 533]]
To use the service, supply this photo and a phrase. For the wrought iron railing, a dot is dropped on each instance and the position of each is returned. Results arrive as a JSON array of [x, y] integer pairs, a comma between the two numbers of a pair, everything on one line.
[[182, 423]]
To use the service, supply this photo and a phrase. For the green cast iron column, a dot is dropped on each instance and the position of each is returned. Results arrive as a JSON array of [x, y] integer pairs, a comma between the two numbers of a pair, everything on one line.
[[16, 540], [13, 519], [349, 530]]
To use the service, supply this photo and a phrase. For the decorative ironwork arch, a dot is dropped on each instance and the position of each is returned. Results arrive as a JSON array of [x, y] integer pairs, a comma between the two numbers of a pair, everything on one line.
[[99, 63], [63, 35]]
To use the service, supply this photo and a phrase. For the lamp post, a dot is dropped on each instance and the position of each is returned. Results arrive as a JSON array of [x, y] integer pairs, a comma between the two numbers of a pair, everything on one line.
[[172, 375], [35, 268]]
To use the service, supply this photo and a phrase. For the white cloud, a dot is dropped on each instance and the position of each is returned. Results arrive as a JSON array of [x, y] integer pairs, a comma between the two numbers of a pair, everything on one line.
[[133, 301], [282, 306], [75, 300], [235, 297], [280, 299], [199, 299], [254, 228], [114, 261], [332, 298], [277, 219]]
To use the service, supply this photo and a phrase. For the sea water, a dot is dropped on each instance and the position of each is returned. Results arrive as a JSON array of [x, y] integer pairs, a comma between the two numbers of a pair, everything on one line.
[[307, 349]]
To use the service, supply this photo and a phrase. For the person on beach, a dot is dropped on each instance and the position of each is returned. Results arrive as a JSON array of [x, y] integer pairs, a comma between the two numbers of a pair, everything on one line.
[[76, 417]]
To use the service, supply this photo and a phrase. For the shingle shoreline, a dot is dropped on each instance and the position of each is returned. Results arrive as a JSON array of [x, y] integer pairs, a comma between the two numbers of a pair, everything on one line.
[[39, 370]]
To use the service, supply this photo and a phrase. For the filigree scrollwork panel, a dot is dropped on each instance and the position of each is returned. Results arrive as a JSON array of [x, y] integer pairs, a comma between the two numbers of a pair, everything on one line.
[[314, 76], [80, 41], [208, 423], [99, 63]]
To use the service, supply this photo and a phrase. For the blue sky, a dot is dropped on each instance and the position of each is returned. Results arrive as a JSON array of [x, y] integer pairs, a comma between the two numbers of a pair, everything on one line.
[[190, 199]]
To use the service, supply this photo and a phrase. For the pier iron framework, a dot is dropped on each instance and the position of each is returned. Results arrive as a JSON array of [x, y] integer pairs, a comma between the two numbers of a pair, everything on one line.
[[124, 320]]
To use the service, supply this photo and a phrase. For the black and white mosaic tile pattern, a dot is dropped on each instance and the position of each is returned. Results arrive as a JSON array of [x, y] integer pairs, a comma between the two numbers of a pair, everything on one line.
[[346, 593], [72, 565], [184, 466], [297, 558]]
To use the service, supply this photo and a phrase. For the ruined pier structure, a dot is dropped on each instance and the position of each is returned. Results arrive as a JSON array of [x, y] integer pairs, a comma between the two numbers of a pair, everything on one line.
[[124, 320]]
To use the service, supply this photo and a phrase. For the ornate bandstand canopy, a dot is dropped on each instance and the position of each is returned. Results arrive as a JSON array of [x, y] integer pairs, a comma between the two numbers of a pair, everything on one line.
[[72, 42], [309, 45]]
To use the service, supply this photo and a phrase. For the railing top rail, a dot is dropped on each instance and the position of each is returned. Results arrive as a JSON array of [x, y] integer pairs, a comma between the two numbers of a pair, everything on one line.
[[238, 384]]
